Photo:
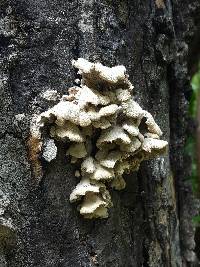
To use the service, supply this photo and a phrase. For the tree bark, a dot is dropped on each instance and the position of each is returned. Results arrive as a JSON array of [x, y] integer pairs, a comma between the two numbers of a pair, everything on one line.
[[151, 221]]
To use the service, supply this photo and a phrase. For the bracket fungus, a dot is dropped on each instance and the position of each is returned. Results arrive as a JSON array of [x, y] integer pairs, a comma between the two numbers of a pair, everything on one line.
[[101, 121]]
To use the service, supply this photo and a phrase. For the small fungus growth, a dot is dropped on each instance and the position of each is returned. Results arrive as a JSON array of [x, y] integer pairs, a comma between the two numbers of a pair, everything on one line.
[[101, 122]]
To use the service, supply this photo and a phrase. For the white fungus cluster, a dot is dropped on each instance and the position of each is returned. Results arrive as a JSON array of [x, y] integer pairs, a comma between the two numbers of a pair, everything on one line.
[[108, 132]]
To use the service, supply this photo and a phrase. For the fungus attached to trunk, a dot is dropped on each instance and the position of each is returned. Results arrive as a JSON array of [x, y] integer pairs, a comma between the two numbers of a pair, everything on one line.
[[101, 122]]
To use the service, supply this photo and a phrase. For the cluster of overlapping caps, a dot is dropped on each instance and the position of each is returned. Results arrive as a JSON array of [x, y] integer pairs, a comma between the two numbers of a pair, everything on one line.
[[108, 132]]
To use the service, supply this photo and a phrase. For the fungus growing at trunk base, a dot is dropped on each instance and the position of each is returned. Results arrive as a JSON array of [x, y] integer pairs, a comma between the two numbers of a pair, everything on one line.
[[101, 122]]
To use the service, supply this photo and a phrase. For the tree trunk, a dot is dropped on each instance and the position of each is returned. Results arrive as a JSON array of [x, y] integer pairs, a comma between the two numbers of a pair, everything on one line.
[[151, 221]]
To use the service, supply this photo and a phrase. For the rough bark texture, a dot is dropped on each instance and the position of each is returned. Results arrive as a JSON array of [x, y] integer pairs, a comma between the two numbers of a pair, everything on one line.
[[150, 223]]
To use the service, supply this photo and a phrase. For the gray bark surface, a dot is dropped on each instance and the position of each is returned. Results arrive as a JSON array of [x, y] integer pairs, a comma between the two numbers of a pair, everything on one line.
[[150, 224]]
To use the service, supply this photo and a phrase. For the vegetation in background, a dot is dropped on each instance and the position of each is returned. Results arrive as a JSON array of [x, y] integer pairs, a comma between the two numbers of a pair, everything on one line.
[[191, 142], [190, 150], [195, 83]]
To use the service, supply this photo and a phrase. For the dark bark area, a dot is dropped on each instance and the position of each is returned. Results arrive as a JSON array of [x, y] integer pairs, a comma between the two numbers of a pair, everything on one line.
[[150, 223]]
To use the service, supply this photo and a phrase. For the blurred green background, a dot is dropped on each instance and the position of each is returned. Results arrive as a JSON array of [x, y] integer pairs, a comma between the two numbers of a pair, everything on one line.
[[191, 144]]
